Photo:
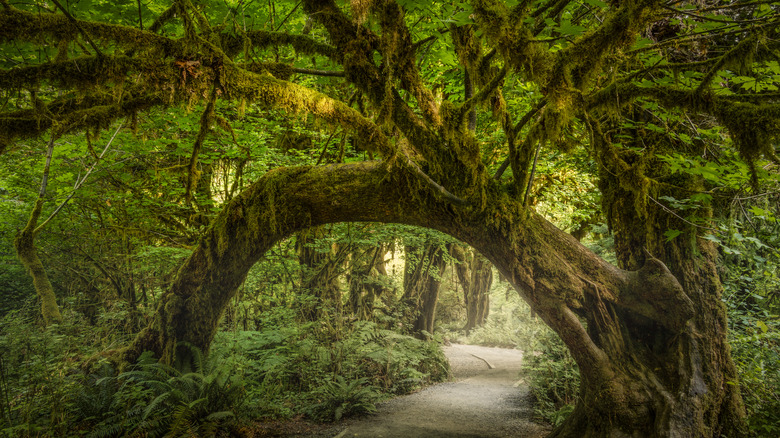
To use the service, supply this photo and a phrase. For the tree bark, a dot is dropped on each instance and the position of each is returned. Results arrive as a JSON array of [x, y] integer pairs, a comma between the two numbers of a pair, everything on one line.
[[563, 281], [481, 280]]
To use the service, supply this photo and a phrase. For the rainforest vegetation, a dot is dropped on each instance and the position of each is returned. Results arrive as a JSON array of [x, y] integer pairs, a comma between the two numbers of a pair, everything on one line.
[[218, 213]]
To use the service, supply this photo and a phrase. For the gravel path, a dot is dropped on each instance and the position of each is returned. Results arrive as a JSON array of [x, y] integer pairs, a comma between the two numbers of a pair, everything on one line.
[[485, 400]]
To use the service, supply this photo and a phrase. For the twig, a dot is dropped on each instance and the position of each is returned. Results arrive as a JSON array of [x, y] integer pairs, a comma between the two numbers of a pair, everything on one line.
[[533, 174], [670, 211], [78, 26], [490, 365], [80, 183]]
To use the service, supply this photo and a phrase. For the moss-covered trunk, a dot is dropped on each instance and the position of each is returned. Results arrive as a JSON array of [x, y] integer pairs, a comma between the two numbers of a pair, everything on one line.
[[664, 378], [24, 243], [365, 286]]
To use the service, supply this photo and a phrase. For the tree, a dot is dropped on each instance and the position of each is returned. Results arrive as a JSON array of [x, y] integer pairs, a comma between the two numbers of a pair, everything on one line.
[[476, 276], [648, 335], [423, 270], [320, 270]]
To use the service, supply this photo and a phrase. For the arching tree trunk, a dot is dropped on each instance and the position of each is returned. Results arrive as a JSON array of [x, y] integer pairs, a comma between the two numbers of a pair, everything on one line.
[[630, 385]]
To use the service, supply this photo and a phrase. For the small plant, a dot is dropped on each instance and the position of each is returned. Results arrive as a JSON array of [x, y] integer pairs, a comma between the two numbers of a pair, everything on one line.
[[340, 398]]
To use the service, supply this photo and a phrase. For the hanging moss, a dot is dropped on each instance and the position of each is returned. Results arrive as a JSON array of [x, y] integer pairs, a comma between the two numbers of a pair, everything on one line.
[[295, 98], [72, 115]]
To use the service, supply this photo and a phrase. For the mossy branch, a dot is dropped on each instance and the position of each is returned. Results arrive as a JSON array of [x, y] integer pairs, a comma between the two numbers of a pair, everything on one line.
[[18, 25], [481, 95], [742, 53], [302, 44], [512, 132], [84, 72], [163, 18], [72, 115], [296, 98], [78, 26], [206, 120], [438, 188]]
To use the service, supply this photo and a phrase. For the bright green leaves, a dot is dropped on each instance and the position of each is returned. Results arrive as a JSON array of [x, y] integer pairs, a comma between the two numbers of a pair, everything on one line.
[[671, 234], [765, 77], [567, 29]]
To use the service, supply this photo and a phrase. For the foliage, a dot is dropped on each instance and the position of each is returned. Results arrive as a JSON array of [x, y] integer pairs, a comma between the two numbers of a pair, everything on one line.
[[552, 376], [159, 400], [751, 275], [291, 368], [341, 398], [38, 371], [756, 352]]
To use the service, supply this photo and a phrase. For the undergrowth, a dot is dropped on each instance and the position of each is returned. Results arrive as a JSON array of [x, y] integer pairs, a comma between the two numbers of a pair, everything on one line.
[[283, 370]]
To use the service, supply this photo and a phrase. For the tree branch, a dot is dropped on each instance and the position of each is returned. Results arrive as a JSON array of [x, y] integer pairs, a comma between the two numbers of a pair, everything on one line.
[[80, 182]]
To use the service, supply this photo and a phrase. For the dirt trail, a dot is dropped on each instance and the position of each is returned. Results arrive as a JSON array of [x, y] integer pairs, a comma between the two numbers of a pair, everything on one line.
[[481, 402]]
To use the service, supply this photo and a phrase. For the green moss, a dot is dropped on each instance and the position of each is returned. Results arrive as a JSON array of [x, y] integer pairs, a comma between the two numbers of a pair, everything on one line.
[[302, 44], [82, 73], [93, 111], [277, 69], [18, 25]]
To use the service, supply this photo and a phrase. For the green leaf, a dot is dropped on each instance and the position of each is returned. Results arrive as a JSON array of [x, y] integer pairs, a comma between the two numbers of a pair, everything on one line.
[[569, 29], [671, 234]]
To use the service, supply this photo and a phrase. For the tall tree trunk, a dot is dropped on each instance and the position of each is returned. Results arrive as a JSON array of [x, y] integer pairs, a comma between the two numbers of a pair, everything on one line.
[[476, 276], [481, 280], [665, 378], [28, 255], [653, 359], [24, 243], [423, 270]]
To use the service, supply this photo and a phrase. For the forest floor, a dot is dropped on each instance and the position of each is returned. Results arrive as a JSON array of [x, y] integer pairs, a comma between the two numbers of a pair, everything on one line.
[[484, 399]]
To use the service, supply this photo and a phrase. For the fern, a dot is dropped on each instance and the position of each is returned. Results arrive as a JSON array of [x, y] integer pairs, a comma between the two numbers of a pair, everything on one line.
[[340, 397], [159, 400]]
